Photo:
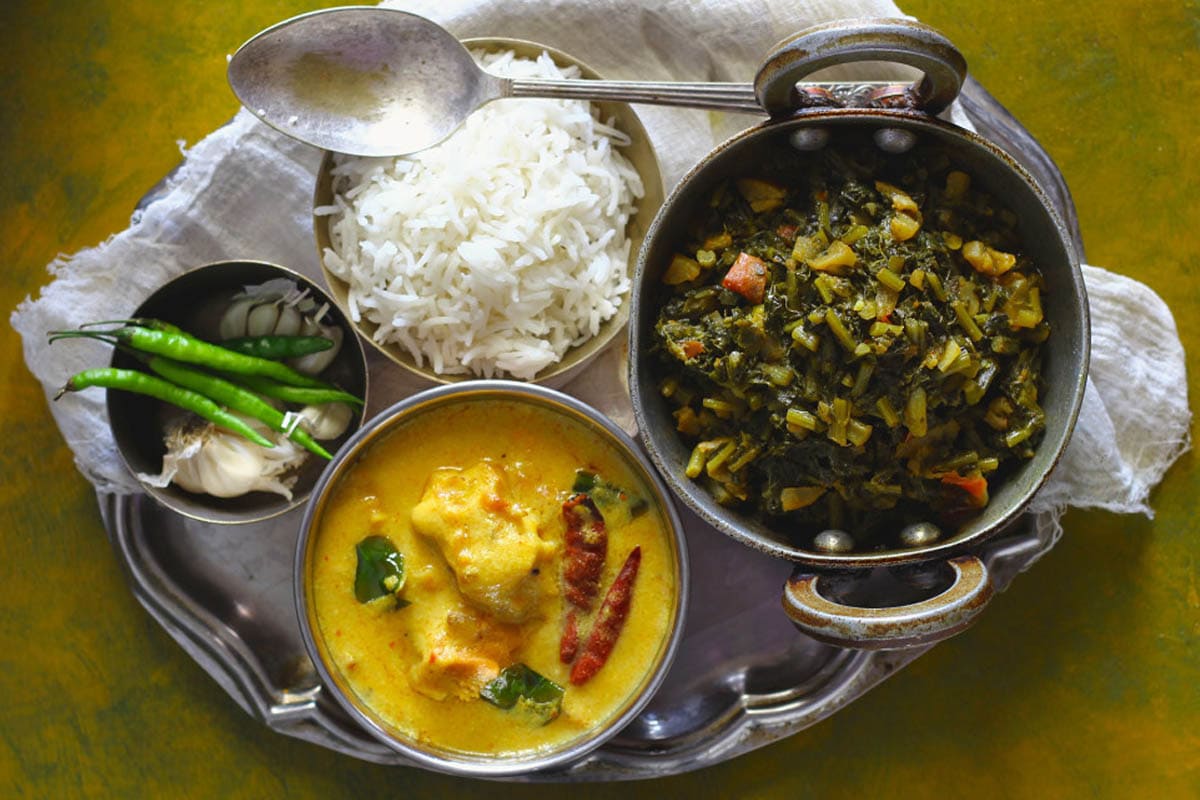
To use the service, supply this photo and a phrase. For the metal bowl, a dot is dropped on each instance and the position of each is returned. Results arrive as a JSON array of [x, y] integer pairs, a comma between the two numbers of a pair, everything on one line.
[[195, 302], [896, 117], [440, 398], [639, 153]]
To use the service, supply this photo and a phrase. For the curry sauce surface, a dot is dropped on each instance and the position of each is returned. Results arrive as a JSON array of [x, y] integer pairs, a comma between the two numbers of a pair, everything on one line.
[[380, 651]]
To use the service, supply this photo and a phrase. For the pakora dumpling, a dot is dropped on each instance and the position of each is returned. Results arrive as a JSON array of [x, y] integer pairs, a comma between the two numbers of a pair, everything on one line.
[[490, 542]]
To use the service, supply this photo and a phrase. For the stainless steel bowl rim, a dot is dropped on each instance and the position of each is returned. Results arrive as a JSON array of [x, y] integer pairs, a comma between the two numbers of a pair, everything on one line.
[[351, 340], [691, 493], [577, 357], [480, 766]]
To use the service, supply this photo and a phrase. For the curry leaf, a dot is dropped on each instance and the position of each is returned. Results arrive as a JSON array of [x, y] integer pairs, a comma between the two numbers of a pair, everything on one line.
[[380, 569], [519, 686], [617, 505]]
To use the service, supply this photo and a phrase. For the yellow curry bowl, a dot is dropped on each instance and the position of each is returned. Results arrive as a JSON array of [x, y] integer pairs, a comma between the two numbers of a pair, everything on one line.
[[640, 156], [491, 579]]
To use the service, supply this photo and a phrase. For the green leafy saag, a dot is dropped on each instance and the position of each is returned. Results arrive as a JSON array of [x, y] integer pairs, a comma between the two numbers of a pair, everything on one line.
[[853, 344]]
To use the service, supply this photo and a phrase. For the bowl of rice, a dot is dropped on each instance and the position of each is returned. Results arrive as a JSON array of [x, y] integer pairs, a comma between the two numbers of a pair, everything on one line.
[[505, 251]]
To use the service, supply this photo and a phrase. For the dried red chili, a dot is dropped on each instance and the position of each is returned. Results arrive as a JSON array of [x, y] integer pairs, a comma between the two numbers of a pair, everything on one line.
[[586, 548], [568, 646], [610, 619]]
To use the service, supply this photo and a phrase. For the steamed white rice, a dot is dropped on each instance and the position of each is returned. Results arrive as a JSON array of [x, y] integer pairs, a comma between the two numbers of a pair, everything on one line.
[[496, 251]]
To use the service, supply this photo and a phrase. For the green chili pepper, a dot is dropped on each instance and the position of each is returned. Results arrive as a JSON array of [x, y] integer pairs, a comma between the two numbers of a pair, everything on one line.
[[296, 394], [144, 322], [140, 383], [185, 347], [234, 397], [277, 347]]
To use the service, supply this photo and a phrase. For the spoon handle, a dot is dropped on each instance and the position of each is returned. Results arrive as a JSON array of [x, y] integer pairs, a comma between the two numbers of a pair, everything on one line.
[[718, 96]]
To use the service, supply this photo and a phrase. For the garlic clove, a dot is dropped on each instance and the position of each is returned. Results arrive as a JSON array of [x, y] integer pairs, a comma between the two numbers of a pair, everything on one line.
[[289, 322], [261, 319], [309, 327], [233, 322], [326, 421], [316, 363]]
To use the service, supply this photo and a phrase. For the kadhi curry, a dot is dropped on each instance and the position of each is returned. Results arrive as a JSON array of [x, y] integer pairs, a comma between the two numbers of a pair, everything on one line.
[[493, 578]]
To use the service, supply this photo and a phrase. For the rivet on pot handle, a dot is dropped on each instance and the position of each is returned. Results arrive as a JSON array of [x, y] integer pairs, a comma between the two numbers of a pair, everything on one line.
[[846, 41], [892, 628]]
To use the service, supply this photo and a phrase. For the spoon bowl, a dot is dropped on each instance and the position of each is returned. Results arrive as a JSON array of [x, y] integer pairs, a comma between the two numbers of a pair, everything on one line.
[[371, 81], [364, 81]]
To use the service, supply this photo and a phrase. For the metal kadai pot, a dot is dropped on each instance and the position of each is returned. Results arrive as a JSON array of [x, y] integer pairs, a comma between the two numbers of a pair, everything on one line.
[[877, 599]]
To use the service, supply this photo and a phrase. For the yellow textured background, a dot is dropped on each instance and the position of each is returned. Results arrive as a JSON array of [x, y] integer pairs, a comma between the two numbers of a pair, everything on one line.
[[1082, 681]]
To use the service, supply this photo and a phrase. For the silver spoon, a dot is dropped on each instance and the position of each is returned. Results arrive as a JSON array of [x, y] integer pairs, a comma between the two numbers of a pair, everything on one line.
[[380, 82]]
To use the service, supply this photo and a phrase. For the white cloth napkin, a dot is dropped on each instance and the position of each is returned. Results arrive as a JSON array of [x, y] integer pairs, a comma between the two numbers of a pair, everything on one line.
[[245, 191]]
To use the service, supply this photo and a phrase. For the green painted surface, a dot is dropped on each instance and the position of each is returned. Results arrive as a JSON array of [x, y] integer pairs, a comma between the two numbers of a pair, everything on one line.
[[1079, 682]]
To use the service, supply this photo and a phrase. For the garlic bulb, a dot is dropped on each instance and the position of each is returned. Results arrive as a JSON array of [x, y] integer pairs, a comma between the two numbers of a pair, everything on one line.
[[210, 460], [326, 420], [280, 308]]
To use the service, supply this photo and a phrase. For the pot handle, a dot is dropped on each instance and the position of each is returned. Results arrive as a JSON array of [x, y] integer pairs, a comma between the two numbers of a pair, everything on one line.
[[896, 627], [874, 39]]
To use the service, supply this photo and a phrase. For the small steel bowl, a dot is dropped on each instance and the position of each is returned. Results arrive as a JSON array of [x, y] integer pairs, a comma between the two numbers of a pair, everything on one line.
[[639, 153], [195, 301], [332, 678]]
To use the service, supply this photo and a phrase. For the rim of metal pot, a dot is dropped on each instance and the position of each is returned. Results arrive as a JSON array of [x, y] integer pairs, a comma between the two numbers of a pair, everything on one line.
[[689, 493]]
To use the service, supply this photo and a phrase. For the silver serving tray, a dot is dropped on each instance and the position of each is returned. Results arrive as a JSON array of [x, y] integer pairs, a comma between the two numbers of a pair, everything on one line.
[[743, 676]]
